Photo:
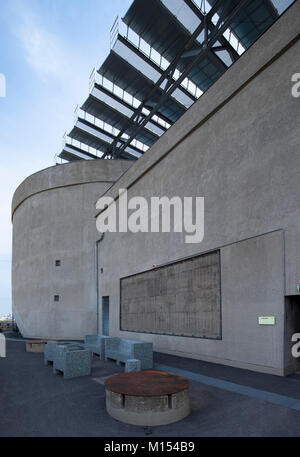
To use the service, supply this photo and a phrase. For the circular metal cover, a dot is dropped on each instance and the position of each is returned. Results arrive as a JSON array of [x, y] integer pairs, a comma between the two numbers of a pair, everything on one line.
[[146, 384]]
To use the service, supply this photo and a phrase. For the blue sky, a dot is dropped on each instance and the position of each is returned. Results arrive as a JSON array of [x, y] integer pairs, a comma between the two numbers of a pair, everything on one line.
[[48, 49]]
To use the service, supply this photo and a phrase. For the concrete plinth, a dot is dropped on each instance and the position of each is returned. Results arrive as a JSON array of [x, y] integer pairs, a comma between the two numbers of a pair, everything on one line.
[[132, 365], [147, 398], [35, 346]]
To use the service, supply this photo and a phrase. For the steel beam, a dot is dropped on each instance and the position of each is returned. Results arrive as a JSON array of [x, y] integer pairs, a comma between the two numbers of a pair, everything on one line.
[[158, 84], [127, 105], [212, 39], [211, 26], [154, 65], [104, 132]]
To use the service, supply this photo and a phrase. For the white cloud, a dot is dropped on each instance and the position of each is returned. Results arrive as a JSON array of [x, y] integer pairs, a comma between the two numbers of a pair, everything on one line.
[[54, 62], [44, 53], [60, 71]]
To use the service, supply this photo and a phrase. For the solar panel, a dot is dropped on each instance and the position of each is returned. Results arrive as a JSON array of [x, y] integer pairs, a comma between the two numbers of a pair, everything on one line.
[[169, 53]]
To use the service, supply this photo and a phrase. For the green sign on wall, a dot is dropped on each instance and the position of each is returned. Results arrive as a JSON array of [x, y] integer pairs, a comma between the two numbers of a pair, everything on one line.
[[266, 320]]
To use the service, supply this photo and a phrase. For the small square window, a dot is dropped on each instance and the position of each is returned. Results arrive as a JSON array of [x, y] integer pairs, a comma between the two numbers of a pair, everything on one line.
[[56, 298], [57, 263]]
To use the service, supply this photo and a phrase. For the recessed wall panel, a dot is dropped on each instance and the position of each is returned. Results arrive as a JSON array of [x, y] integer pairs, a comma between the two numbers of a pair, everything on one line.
[[182, 299]]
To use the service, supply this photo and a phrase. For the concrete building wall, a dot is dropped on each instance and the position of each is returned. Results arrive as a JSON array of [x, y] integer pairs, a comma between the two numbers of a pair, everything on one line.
[[238, 146], [53, 219]]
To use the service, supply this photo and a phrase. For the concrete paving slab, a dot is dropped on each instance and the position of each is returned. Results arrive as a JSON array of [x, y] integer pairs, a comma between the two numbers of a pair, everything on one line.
[[36, 404]]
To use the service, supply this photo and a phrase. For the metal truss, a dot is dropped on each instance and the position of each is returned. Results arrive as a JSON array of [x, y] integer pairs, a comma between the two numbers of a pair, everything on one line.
[[212, 34]]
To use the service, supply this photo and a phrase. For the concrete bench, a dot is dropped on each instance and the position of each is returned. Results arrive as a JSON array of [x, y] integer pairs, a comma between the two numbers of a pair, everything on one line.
[[121, 350], [96, 344], [35, 346], [50, 350], [72, 361]]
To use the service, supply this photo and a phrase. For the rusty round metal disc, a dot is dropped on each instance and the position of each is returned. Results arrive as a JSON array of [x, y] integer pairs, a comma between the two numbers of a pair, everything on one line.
[[146, 384]]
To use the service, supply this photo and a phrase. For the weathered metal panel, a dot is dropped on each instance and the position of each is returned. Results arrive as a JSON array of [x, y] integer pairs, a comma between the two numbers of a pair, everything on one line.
[[182, 299]]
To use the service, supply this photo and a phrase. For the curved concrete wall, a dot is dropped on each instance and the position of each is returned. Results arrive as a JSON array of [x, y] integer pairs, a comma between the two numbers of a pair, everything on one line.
[[53, 219]]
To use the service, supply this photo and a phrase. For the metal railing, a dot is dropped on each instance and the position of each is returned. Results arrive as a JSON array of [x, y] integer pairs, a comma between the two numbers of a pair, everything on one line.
[[141, 45], [76, 114], [114, 32], [92, 79], [64, 139], [78, 144]]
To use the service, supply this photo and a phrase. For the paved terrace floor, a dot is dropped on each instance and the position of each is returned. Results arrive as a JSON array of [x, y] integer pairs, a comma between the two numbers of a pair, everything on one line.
[[225, 401]]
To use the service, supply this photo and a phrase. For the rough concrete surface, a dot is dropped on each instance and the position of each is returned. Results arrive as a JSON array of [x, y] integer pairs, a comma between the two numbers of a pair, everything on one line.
[[181, 299], [53, 220]]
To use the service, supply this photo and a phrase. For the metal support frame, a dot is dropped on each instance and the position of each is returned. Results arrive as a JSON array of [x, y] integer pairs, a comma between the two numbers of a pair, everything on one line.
[[107, 92], [107, 151], [212, 38], [172, 67], [80, 151], [210, 26], [150, 62], [103, 132], [99, 116], [214, 41]]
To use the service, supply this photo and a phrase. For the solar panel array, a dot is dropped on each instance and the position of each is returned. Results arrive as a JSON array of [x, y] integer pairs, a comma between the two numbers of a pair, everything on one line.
[[164, 55]]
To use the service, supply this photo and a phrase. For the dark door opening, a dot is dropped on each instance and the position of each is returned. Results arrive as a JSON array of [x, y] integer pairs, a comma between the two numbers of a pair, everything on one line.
[[105, 316], [292, 319]]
